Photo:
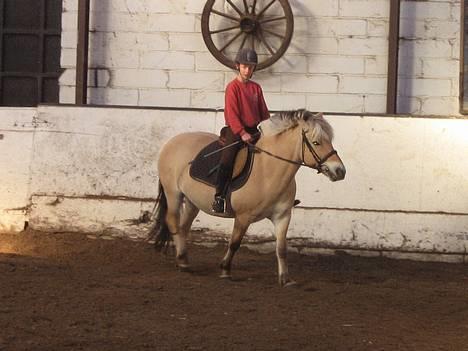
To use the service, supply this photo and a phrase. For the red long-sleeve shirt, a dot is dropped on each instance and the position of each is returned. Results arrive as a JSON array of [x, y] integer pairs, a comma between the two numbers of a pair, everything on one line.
[[244, 106]]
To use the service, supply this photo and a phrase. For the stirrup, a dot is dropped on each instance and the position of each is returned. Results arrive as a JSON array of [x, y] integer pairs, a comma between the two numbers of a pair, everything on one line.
[[218, 205]]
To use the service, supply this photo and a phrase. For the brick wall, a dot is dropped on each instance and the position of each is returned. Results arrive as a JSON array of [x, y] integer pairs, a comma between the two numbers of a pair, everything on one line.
[[151, 53]]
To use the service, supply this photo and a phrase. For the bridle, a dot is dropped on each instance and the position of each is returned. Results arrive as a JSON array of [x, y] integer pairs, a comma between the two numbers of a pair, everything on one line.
[[320, 161], [305, 143]]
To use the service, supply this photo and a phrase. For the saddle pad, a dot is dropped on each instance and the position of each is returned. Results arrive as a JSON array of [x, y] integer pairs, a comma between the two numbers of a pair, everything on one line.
[[204, 169]]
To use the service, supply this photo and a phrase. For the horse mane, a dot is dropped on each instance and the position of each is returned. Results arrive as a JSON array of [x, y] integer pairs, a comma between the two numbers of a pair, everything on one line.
[[285, 120]]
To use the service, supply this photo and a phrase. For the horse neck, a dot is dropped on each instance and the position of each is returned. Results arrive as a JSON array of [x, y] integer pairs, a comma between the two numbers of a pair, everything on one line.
[[287, 145]]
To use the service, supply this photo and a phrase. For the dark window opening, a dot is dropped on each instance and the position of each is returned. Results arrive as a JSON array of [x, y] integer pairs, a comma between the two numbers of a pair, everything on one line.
[[29, 51]]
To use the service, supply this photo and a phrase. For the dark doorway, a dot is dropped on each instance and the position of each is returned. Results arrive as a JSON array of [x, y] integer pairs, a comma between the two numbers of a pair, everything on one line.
[[30, 51]]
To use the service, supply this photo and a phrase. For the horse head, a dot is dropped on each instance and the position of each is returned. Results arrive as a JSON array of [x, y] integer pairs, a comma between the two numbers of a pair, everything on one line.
[[316, 134], [318, 150]]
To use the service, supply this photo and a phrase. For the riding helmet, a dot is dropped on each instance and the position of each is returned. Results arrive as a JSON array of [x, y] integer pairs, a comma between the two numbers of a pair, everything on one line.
[[247, 56]]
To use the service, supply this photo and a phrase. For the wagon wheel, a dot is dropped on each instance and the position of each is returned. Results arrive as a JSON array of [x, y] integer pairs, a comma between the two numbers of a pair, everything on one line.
[[264, 25]]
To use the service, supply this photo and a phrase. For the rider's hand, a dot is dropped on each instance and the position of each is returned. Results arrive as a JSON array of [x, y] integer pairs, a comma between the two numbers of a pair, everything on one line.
[[246, 137]]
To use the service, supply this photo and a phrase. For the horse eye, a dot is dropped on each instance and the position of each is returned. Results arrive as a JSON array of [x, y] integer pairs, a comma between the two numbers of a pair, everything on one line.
[[316, 143]]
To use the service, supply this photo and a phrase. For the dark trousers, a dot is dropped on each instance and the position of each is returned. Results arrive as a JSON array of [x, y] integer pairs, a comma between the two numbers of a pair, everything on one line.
[[228, 156]]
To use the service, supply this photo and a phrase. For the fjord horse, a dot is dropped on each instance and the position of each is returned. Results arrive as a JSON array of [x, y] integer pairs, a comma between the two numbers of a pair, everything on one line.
[[289, 140]]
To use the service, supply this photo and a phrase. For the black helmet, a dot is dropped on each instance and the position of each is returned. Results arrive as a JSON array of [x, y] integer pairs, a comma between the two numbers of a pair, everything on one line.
[[247, 57]]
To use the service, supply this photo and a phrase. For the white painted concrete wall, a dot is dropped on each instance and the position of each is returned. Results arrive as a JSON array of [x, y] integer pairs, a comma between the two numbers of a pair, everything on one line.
[[17, 127], [93, 170], [151, 53]]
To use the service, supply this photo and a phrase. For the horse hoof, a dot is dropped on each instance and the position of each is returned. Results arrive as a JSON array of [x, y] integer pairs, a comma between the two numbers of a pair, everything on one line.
[[286, 282], [289, 284], [184, 268], [225, 275]]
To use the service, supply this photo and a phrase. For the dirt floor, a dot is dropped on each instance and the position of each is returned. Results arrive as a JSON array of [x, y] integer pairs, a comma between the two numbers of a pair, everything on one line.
[[71, 292]]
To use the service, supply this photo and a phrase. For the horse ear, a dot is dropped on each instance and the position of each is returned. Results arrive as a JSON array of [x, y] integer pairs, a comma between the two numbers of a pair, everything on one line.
[[302, 114]]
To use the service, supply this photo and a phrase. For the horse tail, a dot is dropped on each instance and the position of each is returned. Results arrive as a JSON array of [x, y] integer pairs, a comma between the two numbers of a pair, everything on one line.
[[159, 231]]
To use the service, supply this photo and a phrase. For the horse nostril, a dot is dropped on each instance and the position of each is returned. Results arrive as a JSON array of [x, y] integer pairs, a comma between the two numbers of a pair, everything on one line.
[[340, 172]]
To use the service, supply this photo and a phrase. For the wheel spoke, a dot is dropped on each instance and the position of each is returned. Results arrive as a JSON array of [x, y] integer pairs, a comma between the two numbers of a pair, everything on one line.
[[225, 15], [265, 8], [263, 40], [253, 7], [224, 29], [273, 19], [246, 7], [273, 33], [243, 41], [235, 8], [230, 42]]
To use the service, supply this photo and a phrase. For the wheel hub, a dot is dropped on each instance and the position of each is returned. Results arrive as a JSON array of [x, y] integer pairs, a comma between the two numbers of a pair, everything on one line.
[[248, 24]]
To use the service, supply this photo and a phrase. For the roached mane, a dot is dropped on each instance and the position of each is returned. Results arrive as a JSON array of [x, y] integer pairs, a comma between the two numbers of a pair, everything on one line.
[[284, 120]]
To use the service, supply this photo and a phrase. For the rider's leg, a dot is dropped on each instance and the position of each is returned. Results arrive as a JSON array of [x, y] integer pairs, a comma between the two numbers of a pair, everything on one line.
[[222, 181], [224, 174]]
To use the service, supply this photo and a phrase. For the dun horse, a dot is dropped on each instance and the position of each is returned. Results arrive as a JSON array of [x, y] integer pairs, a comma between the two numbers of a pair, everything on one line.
[[288, 141]]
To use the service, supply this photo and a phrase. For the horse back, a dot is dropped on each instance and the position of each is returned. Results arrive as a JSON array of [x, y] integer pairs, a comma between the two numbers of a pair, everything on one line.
[[176, 154]]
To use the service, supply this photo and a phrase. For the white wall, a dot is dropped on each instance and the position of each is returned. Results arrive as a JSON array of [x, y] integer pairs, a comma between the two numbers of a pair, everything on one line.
[[17, 127], [151, 53], [93, 170]]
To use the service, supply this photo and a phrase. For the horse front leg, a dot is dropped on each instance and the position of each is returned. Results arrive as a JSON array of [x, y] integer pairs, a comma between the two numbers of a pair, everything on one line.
[[281, 224], [234, 243]]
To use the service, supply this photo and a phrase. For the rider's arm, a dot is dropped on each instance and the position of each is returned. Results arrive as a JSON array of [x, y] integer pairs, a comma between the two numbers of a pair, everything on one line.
[[264, 113], [232, 111]]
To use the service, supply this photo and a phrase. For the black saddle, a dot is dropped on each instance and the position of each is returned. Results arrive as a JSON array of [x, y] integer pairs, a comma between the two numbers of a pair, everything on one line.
[[205, 165]]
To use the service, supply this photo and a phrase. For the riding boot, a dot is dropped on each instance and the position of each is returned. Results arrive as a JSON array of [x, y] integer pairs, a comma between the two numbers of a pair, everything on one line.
[[222, 183]]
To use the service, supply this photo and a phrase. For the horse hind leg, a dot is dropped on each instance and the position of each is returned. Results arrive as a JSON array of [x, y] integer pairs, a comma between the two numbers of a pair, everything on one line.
[[172, 218], [234, 244], [187, 215]]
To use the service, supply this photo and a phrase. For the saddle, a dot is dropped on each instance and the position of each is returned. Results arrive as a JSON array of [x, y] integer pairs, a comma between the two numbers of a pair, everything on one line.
[[205, 166]]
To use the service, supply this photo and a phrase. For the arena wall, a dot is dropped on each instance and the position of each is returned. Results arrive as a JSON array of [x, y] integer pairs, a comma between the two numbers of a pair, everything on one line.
[[92, 169]]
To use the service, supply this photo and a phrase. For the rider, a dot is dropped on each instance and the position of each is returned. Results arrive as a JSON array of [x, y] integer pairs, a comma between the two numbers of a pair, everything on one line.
[[244, 109]]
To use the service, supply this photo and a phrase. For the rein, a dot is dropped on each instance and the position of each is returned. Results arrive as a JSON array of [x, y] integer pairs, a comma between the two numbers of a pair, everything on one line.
[[305, 141]]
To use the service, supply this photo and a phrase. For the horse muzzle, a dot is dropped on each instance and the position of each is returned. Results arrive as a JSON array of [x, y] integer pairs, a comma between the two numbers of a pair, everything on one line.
[[335, 173]]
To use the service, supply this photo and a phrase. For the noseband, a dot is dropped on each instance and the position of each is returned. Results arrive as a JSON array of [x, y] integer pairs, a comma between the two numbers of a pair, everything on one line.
[[306, 142]]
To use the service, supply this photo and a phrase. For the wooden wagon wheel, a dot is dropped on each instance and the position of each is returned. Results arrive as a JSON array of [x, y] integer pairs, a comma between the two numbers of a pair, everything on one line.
[[264, 25]]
